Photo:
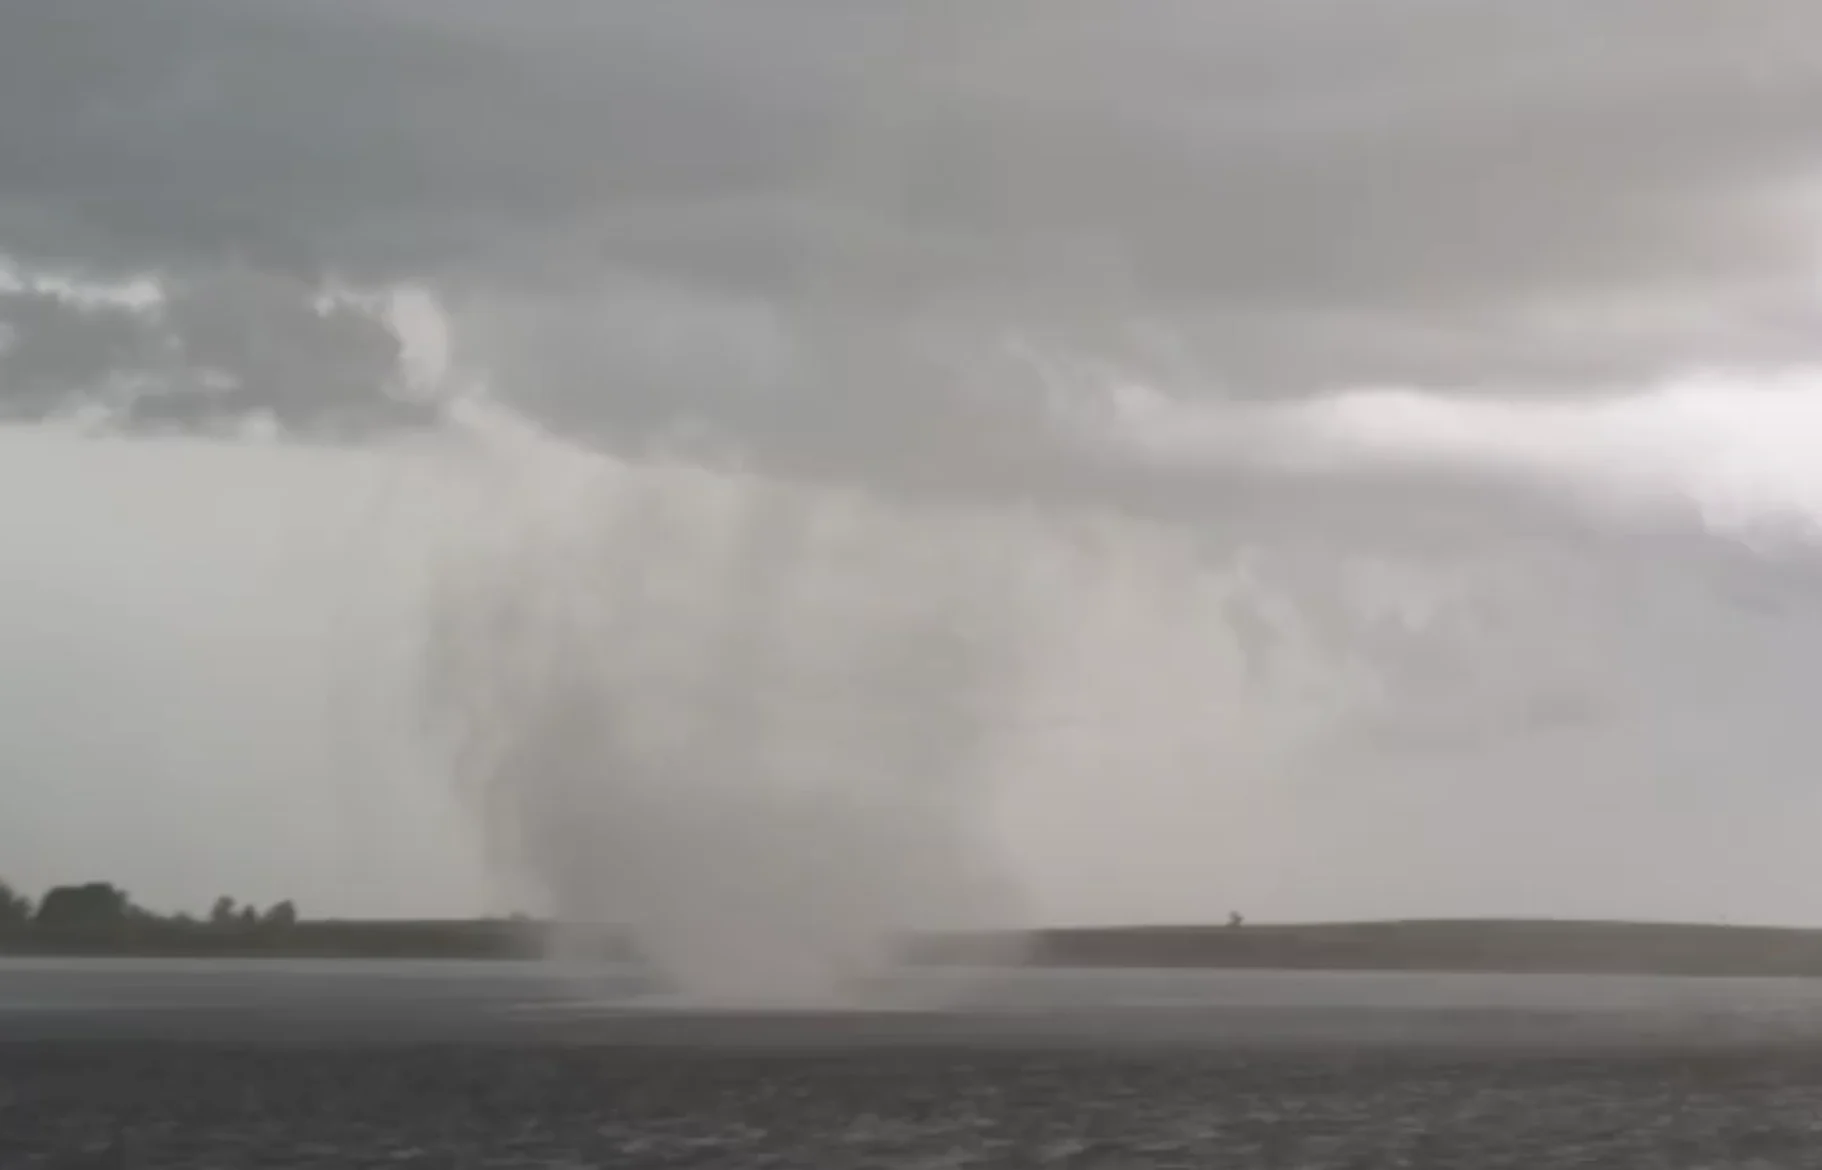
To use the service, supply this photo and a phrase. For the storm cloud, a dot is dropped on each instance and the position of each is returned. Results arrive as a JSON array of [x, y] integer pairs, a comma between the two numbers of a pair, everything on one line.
[[843, 214], [1393, 418]]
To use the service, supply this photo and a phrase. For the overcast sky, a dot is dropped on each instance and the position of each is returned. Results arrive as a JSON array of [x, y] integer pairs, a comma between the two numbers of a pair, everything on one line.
[[1367, 448]]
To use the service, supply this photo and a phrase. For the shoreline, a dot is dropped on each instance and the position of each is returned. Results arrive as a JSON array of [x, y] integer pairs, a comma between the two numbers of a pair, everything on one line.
[[1490, 946]]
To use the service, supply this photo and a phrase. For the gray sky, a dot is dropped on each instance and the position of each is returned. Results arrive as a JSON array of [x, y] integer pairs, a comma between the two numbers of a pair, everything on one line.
[[1377, 437]]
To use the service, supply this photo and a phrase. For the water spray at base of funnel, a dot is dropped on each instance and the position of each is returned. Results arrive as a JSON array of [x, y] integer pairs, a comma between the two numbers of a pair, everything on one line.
[[749, 722]]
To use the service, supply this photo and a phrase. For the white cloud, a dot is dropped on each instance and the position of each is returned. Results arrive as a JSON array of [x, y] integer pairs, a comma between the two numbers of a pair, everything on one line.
[[423, 331], [1742, 449], [141, 294]]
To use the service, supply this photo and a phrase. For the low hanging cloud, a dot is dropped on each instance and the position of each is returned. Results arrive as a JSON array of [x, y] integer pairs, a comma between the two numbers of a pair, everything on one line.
[[227, 352], [1738, 451]]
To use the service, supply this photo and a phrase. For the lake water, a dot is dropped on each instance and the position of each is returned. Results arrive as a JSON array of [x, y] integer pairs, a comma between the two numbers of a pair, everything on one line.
[[372, 1077], [61, 996]]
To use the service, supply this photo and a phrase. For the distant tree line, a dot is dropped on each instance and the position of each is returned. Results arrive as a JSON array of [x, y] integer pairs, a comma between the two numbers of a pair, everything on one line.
[[101, 918], [99, 914]]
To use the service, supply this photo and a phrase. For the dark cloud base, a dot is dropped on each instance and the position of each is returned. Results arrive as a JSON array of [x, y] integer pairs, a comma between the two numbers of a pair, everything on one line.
[[814, 230]]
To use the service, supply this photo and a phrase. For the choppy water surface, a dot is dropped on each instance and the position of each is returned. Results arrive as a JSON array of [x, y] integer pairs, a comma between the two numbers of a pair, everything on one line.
[[488, 1064], [551, 1106]]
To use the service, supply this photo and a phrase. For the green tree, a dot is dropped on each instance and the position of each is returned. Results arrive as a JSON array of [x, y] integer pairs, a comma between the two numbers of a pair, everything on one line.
[[15, 908], [281, 916], [95, 907]]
